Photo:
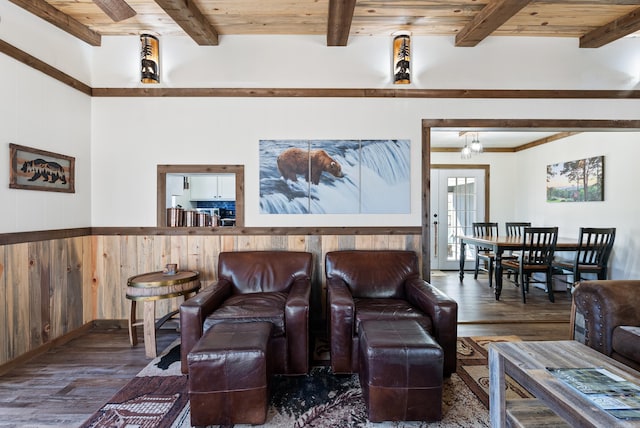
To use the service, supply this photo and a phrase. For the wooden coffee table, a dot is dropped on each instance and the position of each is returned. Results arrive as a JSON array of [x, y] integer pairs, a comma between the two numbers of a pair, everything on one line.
[[527, 363]]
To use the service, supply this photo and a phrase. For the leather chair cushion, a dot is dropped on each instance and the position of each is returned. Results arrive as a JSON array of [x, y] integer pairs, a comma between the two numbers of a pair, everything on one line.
[[626, 342], [251, 307], [389, 309]]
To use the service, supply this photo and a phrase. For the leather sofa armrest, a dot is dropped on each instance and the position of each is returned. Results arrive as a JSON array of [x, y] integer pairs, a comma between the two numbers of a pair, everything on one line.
[[297, 326], [606, 305], [193, 313], [341, 320], [443, 311]]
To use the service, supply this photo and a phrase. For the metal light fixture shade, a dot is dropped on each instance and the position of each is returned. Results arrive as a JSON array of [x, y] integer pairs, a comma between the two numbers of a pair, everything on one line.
[[402, 58], [149, 59]]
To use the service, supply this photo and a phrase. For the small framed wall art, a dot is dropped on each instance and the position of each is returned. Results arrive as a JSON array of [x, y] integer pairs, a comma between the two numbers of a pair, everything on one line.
[[33, 169]]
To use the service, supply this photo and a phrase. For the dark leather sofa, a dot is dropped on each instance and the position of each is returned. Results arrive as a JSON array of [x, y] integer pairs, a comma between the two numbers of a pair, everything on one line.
[[273, 286], [606, 317], [383, 285]]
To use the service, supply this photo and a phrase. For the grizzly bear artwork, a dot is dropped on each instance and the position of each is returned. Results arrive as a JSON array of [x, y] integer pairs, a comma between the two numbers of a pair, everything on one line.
[[294, 161]]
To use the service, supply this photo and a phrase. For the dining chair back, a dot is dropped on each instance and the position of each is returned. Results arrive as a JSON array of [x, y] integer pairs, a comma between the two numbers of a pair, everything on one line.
[[538, 247], [483, 253], [594, 248], [516, 228]]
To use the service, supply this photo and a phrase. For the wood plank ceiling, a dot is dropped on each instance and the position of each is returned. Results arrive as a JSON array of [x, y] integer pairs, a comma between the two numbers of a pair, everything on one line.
[[594, 22]]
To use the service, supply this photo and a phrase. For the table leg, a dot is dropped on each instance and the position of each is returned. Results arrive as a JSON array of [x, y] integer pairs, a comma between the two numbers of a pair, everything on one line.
[[497, 392], [462, 257], [133, 331], [149, 319], [498, 271]]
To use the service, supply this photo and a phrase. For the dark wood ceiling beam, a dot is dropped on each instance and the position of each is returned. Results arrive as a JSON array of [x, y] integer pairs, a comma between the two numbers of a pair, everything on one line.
[[186, 14], [44, 10], [625, 25], [339, 25], [489, 19], [117, 10]]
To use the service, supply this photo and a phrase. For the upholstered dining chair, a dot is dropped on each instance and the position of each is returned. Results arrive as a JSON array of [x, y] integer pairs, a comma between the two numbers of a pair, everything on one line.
[[272, 286], [592, 257], [483, 254], [538, 247]]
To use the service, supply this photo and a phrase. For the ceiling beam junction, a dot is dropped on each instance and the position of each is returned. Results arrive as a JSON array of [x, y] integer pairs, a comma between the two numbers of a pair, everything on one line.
[[117, 10], [339, 23], [63, 21], [489, 19], [186, 14], [620, 27]]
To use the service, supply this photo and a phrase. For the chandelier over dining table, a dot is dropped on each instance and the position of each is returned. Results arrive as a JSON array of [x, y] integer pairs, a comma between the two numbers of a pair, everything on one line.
[[470, 149]]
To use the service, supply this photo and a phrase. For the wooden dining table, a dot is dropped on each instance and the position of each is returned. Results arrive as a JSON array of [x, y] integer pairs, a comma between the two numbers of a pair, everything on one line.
[[500, 244]]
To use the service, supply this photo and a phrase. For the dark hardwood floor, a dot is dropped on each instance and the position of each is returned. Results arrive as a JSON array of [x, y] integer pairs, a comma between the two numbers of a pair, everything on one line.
[[64, 386]]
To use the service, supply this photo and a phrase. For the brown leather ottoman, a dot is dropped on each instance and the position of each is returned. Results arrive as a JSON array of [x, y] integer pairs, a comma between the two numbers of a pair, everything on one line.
[[400, 371], [229, 375]]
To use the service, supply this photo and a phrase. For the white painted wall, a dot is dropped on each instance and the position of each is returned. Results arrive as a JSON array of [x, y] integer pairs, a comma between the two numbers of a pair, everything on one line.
[[40, 112], [130, 136], [306, 61], [620, 208]]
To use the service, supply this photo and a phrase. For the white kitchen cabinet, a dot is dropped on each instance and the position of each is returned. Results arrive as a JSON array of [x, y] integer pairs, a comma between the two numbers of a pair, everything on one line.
[[213, 187]]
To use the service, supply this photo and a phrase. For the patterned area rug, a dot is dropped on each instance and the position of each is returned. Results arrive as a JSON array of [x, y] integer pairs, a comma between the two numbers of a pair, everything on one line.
[[472, 354], [319, 399]]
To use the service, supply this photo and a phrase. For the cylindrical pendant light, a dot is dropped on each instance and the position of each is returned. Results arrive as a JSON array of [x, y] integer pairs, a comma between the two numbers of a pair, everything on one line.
[[402, 58], [149, 59]]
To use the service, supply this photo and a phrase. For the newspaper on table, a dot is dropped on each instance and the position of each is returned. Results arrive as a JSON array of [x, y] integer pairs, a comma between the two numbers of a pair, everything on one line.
[[606, 390]]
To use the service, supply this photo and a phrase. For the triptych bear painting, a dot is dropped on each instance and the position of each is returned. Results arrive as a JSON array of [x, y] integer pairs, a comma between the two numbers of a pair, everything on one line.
[[334, 176]]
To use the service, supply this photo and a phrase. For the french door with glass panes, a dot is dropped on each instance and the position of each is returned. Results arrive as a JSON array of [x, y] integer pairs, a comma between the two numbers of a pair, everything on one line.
[[457, 201]]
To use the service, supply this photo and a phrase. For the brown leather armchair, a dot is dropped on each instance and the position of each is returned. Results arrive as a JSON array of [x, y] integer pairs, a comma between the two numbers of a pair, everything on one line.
[[383, 285], [273, 286], [606, 317]]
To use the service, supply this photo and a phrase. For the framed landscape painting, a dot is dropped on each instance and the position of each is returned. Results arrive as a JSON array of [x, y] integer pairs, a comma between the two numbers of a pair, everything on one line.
[[33, 169], [579, 180]]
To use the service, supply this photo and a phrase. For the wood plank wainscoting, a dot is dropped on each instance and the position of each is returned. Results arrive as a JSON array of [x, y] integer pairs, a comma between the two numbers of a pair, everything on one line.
[[56, 283]]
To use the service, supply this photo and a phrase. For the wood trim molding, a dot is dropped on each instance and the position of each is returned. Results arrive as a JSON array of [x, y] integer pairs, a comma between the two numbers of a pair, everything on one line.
[[53, 72], [45, 235], [366, 93], [43, 67], [42, 235], [519, 148], [246, 231]]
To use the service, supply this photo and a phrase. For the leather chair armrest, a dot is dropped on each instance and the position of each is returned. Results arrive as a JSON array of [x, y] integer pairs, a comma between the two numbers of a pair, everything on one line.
[[297, 326], [606, 305], [193, 313], [443, 311], [341, 320]]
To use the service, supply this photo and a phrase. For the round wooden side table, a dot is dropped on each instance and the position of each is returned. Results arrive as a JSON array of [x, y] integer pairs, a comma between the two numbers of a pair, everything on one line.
[[152, 286]]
